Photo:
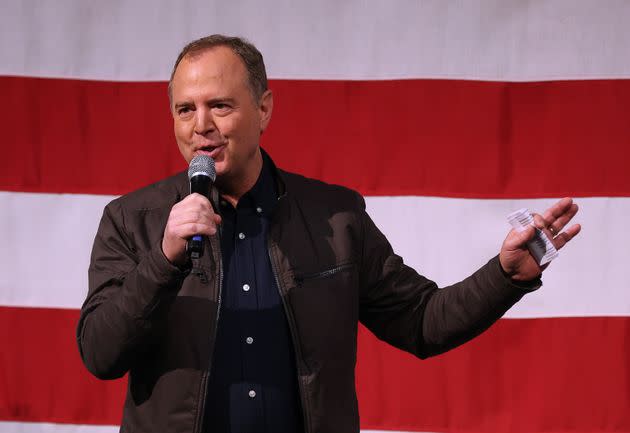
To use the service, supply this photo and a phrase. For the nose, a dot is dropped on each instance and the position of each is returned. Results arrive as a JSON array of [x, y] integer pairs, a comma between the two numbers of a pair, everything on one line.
[[204, 122]]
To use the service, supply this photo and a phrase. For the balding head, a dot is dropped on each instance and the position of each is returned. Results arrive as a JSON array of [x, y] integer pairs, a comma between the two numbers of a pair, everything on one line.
[[248, 53]]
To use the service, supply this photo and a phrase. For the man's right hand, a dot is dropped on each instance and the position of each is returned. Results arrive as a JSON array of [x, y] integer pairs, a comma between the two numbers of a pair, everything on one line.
[[191, 216]]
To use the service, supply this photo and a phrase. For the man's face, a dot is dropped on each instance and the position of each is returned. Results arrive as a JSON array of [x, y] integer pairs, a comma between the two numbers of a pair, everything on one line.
[[215, 113]]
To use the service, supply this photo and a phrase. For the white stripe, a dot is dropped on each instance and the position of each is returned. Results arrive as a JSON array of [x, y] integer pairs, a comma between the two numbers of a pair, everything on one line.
[[47, 241], [447, 239], [40, 427], [43, 427], [499, 40]]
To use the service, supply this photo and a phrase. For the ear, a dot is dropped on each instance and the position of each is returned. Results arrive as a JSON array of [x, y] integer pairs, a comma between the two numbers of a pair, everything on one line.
[[265, 108]]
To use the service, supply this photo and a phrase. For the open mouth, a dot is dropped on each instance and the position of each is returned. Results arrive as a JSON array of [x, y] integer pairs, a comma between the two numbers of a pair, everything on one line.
[[211, 151]]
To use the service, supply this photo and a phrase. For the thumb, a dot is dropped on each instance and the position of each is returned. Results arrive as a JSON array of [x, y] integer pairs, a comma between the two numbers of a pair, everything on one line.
[[520, 239]]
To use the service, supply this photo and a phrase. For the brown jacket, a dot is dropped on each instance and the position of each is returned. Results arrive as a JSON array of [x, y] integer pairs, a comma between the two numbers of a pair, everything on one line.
[[334, 268]]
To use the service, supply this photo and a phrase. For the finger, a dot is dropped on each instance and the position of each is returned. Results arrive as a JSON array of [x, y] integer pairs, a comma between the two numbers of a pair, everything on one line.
[[199, 197], [561, 239], [183, 216], [558, 215], [559, 224], [195, 217], [518, 240], [539, 221], [194, 199], [188, 230], [543, 225], [193, 206], [558, 208]]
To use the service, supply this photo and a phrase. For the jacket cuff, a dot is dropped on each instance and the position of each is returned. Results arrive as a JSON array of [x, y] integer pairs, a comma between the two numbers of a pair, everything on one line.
[[164, 272], [522, 286]]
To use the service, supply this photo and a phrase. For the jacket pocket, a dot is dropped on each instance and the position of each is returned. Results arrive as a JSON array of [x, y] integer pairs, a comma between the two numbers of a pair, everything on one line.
[[325, 305], [302, 278]]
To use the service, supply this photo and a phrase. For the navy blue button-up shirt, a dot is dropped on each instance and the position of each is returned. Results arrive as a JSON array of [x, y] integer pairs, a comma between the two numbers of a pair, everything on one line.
[[253, 381]]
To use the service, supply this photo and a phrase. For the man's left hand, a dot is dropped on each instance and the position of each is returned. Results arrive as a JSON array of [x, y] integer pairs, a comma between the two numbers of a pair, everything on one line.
[[516, 259]]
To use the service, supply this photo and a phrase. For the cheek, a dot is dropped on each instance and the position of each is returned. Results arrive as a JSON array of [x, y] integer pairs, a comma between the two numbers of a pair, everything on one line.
[[240, 124], [227, 126], [181, 130], [182, 137]]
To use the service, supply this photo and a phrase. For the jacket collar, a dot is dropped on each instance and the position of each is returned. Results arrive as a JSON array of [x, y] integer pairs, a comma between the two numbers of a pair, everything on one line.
[[183, 183], [277, 174]]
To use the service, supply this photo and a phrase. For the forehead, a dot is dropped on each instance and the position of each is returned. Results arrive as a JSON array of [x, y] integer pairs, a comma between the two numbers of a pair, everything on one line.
[[217, 67]]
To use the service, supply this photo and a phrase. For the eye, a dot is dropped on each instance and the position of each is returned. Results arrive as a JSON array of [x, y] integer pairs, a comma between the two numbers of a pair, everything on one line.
[[221, 108], [184, 111]]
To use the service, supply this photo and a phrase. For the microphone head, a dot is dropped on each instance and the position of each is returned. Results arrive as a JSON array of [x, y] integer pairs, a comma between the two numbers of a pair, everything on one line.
[[202, 165]]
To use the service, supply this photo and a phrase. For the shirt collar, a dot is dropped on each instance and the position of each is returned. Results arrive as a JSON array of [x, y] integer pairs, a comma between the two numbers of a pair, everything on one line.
[[263, 194]]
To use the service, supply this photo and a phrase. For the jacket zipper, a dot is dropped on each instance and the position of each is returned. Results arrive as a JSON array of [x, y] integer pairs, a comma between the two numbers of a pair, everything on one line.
[[204, 381], [201, 274], [296, 346], [323, 274]]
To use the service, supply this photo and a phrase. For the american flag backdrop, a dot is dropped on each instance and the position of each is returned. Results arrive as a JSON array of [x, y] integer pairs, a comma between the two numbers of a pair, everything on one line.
[[446, 115]]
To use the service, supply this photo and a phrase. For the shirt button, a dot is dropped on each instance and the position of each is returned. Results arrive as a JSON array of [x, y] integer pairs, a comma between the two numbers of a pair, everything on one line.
[[241, 235], [246, 287], [259, 209], [252, 393], [249, 340]]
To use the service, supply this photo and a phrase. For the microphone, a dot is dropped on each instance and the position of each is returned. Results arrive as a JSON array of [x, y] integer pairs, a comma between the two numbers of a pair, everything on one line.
[[201, 174]]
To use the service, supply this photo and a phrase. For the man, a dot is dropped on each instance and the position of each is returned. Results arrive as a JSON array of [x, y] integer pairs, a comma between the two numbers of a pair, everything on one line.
[[259, 334]]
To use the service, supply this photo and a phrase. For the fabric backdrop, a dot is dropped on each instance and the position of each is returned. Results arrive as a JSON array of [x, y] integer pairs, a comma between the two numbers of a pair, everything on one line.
[[446, 115]]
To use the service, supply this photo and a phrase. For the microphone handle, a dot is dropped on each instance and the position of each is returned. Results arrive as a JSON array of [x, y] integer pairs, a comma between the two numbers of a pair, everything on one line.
[[201, 184]]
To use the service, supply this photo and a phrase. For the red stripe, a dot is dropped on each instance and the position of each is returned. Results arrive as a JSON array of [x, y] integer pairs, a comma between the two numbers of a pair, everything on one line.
[[529, 375], [415, 137], [42, 378], [526, 375]]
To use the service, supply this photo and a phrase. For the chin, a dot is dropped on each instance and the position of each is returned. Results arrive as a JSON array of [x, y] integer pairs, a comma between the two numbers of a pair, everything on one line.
[[220, 169]]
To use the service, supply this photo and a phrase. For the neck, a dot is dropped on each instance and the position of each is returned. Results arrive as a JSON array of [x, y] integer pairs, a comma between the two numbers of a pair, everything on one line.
[[232, 188]]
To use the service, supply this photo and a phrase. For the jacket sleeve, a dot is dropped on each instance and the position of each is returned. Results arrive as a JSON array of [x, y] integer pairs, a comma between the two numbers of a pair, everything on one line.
[[128, 293], [410, 312]]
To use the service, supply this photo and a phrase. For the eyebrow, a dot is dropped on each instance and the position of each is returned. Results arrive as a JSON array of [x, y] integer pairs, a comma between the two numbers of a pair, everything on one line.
[[182, 104], [209, 102], [220, 100]]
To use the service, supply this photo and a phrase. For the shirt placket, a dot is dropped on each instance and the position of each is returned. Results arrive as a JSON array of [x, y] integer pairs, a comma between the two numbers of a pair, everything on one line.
[[247, 300]]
